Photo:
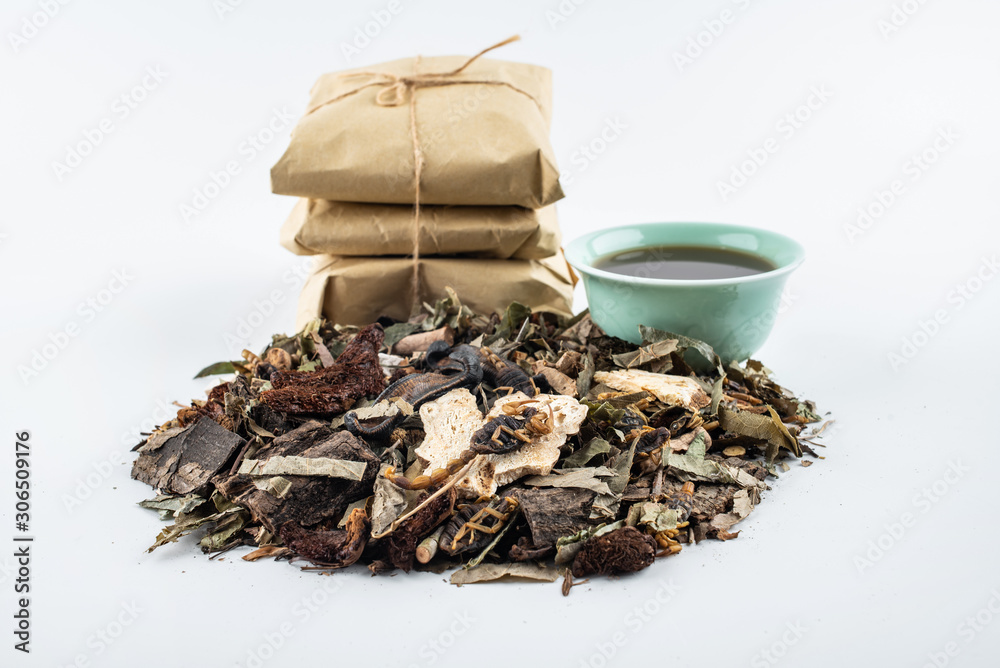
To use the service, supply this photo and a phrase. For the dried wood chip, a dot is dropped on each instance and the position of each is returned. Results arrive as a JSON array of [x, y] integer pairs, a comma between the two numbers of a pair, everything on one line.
[[671, 390], [183, 460], [559, 381], [554, 513]]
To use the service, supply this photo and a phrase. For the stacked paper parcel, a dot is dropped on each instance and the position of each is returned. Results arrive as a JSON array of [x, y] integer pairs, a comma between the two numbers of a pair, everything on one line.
[[486, 226]]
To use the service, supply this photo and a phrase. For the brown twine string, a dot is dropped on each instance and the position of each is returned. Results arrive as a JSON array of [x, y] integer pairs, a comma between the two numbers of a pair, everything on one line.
[[396, 90], [418, 168]]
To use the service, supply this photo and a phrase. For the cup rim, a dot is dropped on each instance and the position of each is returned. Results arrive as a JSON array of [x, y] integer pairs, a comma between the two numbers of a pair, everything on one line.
[[574, 250]]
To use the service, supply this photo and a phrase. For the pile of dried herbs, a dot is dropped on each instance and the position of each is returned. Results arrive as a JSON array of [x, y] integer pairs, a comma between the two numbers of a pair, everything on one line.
[[518, 445]]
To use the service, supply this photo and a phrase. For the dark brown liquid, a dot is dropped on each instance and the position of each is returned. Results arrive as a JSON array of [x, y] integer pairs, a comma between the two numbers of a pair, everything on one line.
[[684, 263]]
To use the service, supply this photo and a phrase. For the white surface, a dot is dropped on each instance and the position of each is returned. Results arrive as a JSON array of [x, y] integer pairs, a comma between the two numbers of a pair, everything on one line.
[[851, 305]]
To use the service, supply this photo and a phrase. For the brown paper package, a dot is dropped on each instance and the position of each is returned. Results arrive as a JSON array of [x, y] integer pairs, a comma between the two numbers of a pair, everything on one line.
[[483, 143], [357, 291], [317, 227]]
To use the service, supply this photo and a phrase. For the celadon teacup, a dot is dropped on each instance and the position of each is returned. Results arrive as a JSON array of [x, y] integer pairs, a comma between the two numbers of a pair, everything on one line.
[[733, 315]]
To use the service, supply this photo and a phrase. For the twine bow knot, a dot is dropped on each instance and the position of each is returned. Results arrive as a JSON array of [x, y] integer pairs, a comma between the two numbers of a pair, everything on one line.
[[398, 90]]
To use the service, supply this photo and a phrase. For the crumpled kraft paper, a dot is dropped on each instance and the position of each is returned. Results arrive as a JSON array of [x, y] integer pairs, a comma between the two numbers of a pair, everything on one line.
[[358, 290], [483, 143], [317, 227]]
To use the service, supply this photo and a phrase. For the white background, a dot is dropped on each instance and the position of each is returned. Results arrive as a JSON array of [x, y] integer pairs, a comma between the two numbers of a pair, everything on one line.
[[900, 427]]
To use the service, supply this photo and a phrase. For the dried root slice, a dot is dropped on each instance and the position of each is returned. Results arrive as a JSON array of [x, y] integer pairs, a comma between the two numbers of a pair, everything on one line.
[[452, 421], [624, 550], [671, 390]]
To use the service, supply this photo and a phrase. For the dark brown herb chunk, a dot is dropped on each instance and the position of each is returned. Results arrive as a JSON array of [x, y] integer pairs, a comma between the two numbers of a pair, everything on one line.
[[624, 550]]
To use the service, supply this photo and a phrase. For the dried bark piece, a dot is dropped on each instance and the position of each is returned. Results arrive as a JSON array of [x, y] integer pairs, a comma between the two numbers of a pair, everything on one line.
[[554, 513], [624, 550], [333, 389], [309, 499], [525, 550], [335, 549], [403, 542], [570, 363], [671, 390], [183, 460], [421, 341], [559, 381]]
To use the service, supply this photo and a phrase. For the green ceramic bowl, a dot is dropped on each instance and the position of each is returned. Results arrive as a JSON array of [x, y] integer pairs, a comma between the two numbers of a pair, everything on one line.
[[733, 315]]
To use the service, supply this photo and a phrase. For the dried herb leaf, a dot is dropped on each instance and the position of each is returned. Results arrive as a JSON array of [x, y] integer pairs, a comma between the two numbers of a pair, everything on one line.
[[492, 572], [594, 447], [762, 427], [646, 354], [684, 343], [582, 478], [220, 368], [305, 466]]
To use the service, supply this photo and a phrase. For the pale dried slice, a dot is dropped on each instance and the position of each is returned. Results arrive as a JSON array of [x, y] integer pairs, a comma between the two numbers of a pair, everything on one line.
[[539, 456], [671, 390], [449, 423]]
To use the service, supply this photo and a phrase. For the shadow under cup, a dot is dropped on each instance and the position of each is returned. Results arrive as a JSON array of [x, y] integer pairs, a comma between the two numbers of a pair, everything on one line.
[[733, 315]]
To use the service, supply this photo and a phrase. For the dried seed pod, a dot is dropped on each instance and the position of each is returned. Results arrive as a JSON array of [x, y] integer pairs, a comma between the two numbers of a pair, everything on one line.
[[624, 550], [279, 359]]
